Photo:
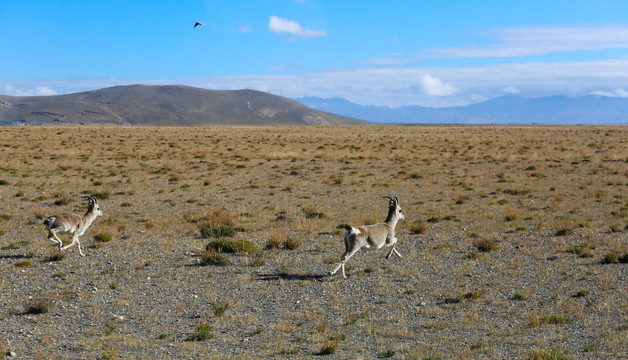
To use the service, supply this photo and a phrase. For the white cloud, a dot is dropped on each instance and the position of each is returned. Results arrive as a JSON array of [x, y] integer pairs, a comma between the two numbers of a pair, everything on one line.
[[621, 93], [45, 91], [36, 91], [245, 29], [511, 90], [284, 26], [394, 86], [435, 87], [539, 40]]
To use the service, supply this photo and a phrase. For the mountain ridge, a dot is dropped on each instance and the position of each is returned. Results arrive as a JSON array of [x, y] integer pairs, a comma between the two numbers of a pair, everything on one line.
[[162, 105], [508, 109]]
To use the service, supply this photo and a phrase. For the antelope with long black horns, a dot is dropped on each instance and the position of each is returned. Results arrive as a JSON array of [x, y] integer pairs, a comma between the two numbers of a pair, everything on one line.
[[372, 236], [73, 224]]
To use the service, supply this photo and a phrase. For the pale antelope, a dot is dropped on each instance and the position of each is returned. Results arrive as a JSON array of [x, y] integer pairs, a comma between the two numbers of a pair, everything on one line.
[[73, 224], [372, 236]]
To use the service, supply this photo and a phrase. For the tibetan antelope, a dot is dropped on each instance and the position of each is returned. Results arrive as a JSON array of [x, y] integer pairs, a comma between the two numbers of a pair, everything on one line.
[[73, 224], [372, 236]]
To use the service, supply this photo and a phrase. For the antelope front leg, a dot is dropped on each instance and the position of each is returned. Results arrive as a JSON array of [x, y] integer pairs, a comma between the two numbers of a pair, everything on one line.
[[53, 237], [393, 249]]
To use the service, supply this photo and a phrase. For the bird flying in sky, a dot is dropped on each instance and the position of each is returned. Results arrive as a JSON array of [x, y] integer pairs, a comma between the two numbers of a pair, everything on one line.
[[197, 24]]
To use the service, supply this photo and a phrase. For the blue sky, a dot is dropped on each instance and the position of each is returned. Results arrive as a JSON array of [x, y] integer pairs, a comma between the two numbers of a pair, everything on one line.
[[394, 53]]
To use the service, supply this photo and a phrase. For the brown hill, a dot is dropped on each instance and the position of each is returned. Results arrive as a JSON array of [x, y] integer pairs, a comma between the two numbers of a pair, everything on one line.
[[162, 105]]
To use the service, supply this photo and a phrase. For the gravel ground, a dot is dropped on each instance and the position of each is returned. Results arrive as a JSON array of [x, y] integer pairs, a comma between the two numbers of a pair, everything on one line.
[[143, 294]]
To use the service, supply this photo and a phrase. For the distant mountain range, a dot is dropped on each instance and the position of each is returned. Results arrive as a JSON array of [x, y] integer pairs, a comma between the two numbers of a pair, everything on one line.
[[508, 109], [162, 105], [184, 105]]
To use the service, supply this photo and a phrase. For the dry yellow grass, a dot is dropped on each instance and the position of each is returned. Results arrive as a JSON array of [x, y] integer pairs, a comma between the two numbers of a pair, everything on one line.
[[538, 194]]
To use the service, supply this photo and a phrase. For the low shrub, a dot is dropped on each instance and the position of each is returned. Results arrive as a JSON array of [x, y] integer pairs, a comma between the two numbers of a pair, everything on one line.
[[485, 245], [203, 332], [102, 237], [236, 246], [215, 258], [417, 227]]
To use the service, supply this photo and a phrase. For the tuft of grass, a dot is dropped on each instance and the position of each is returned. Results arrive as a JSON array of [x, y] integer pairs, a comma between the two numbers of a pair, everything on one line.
[[40, 306], [4, 182], [23, 263], [417, 227], [610, 258], [56, 255], [215, 258], [564, 229], [203, 332], [329, 349], [388, 353], [219, 307], [555, 320], [583, 250], [62, 199], [208, 231], [235, 246], [519, 297], [5, 217], [292, 243], [472, 295], [511, 215], [311, 213], [485, 245], [102, 195], [582, 293], [103, 237], [556, 354], [16, 245]]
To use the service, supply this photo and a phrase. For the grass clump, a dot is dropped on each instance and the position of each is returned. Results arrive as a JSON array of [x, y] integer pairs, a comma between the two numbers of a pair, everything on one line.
[[556, 354], [102, 237], [472, 295], [519, 297], [292, 243], [388, 353], [485, 245], [102, 195], [203, 332], [329, 349], [555, 320], [610, 258], [564, 229], [582, 293], [215, 258], [234, 246], [208, 231], [417, 227], [23, 263], [583, 250], [40, 306], [311, 213], [218, 223], [62, 199], [219, 307], [16, 245], [56, 255]]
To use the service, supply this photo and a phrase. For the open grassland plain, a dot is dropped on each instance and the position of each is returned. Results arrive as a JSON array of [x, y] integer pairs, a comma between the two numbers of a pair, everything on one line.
[[216, 242]]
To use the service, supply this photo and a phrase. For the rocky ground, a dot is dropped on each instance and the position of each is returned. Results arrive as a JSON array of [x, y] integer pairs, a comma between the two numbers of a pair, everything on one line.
[[512, 244]]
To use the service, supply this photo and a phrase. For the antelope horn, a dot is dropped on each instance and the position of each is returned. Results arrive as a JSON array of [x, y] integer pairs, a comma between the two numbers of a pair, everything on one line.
[[392, 199]]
